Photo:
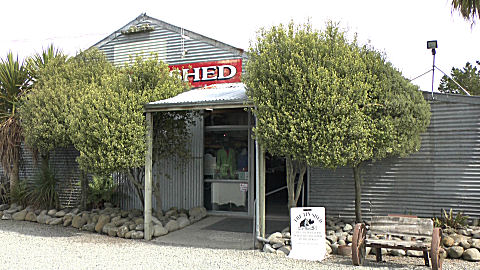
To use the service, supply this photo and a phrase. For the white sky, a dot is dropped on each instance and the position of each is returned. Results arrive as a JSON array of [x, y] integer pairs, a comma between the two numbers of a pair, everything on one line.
[[398, 28]]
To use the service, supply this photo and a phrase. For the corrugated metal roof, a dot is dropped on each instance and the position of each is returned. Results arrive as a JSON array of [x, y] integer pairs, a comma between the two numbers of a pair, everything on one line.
[[226, 95]]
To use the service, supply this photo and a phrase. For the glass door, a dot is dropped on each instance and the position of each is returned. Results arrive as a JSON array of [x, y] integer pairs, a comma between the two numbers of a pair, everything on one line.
[[226, 160]]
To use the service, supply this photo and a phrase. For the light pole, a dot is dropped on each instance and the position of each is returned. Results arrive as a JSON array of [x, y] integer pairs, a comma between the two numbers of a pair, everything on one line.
[[432, 44]]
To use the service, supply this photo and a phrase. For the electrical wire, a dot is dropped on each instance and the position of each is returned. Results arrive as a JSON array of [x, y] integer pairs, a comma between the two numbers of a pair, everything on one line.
[[421, 75]]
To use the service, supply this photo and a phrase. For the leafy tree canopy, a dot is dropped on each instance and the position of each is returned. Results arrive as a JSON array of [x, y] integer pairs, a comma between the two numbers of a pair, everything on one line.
[[469, 9], [468, 77], [325, 101]]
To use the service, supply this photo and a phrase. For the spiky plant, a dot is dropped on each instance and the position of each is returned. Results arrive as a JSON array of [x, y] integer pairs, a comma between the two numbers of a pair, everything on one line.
[[14, 82]]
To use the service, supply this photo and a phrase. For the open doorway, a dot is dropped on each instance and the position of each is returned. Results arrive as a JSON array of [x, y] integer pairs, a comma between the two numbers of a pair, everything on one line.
[[276, 192]]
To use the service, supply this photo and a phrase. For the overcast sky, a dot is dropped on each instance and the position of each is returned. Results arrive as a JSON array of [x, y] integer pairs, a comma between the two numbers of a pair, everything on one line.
[[398, 28]]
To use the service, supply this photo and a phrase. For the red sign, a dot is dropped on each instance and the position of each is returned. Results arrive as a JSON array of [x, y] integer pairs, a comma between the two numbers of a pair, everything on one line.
[[207, 73]]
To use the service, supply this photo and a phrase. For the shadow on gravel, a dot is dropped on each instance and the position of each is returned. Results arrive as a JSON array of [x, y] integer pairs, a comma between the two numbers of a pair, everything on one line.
[[370, 263], [35, 229]]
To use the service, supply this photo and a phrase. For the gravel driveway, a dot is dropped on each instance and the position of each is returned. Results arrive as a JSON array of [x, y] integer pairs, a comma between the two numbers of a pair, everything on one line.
[[25, 245]]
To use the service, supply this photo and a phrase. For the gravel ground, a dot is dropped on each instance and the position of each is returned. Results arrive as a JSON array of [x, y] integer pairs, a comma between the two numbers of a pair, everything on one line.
[[25, 245]]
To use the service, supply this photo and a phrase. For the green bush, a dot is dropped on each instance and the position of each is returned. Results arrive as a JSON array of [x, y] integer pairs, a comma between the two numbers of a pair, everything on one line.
[[4, 193], [101, 190], [20, 194], [449, 220], [43, 192]]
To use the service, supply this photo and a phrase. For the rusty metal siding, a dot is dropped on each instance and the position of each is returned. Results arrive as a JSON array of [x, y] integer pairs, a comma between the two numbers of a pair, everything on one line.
[[444, 174], [167, 44]]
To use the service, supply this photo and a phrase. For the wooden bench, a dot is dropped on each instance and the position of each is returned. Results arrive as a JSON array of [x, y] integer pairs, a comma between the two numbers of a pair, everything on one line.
[[397, 232]]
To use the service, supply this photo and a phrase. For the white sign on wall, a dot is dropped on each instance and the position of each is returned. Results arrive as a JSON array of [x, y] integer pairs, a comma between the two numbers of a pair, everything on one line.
[[307, 227]]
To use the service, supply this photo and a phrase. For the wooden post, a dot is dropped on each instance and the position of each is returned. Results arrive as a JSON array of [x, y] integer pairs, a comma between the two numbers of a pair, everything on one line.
[[148, 180], [261, 199]]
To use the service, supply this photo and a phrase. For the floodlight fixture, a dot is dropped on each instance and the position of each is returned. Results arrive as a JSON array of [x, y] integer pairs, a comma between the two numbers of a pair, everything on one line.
[[432, 44]]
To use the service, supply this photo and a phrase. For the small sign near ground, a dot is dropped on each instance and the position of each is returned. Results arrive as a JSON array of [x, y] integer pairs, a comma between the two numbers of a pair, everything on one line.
[[307, 227]]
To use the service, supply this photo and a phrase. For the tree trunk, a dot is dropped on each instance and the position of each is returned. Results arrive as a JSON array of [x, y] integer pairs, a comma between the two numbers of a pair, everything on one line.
[[358, 193], [137, 184], [44, 164], [158, 199], [294, 168], [13, 176], [84, 190]]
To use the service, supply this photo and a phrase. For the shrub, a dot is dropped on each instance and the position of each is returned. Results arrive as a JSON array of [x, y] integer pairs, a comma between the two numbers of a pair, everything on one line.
[[43, 192], [449, 220], [20, 194], [101, 190], [4, 193]]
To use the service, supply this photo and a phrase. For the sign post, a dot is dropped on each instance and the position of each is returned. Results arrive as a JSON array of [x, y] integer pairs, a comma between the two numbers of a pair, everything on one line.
[[307, 226]]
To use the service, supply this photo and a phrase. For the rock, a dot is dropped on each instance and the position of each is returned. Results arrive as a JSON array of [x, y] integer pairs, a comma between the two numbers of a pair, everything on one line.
[[6, 216], [476, 243], [159, 230], [329, 249], [106, 227], [471, 254], [52, 212], [347, 228], [67, 220], [455, 252], [107, 205], [277, 245], [279, 240], [465, 244], [332, 238], [112, 230], [344, 250], [170, 213], [172, 225], [463, 232], [19, 216], [102, 220], [197, 213], [4, 207], [78, 222], [31, 217], [476, 235], [75, 211], [49, 219], [267, 248], [128, 235], [139, 227], [414, 253], [341, 243], [122, 231], [56, 221], [139, 221], [397, 252], [274, 235], [156, 221], [132, 226], [183, 222], [42, 218], [135, 213], [137, 235], [60, 213], [383, 250], [285, 249], [89, 227], [349, 238], [448, 241], [367, 250], [120, 221], [458, 238], [124, 213]]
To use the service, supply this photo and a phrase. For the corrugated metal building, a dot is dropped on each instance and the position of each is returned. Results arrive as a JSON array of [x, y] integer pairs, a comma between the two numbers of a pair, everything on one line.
[[444, 174]]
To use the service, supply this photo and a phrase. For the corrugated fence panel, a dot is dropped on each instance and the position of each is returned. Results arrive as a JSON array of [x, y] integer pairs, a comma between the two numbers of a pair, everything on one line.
[[444, 174], [167, 44]]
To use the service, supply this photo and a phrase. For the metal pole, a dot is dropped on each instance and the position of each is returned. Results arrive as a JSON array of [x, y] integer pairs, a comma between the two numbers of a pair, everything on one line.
[[148, 180], [433, 69]]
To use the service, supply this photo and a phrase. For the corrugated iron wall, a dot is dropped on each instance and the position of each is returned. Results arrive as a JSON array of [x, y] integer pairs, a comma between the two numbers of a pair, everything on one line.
[[167, 44], [444, 174], [65, 168], [180, 185]]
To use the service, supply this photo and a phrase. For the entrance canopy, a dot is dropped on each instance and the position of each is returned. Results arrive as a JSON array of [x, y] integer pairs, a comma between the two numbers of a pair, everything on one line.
[[217, 96]]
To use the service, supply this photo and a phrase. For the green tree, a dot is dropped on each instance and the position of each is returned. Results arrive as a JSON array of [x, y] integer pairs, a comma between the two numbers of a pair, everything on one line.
[[469, 9], [468, 78], [321, 100], [107, 123], [14, 82]]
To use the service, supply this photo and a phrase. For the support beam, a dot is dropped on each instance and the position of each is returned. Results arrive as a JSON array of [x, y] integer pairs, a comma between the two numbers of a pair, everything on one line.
[[261, 199], [148, 179]]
